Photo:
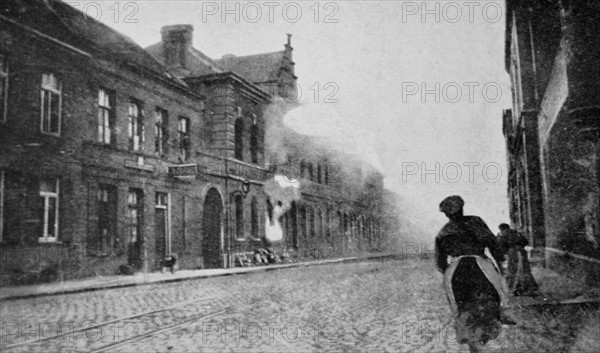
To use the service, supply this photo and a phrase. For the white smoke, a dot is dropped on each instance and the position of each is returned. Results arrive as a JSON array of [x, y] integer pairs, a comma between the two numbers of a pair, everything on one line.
[[274, 232], [324, 122], [282, 191]]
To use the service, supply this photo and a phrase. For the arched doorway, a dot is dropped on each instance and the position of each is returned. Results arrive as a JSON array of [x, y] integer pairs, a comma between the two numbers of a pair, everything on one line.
[[211, 229]]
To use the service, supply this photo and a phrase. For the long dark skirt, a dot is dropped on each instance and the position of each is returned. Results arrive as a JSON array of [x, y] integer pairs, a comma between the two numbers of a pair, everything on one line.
[[519, 277], [478, 304]]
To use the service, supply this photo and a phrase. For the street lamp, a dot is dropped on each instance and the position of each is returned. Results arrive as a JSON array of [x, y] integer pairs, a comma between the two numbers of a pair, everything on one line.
[[246, 187]]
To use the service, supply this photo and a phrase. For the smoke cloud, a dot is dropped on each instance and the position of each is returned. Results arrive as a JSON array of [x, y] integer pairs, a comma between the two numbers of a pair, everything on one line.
[[317, 132]]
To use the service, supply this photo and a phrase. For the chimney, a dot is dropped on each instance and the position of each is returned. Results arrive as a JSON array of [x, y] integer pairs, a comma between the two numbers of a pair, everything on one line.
[[176, 40]]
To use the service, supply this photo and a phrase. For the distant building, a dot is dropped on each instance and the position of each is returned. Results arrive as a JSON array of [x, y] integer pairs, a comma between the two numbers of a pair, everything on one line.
[[112, 155], [552, 133]]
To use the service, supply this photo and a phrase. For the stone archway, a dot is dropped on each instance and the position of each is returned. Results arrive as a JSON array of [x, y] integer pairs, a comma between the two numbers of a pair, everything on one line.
[[212, 229]]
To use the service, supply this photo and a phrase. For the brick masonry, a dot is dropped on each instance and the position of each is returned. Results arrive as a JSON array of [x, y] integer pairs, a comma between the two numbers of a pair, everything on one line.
[[347, 219]]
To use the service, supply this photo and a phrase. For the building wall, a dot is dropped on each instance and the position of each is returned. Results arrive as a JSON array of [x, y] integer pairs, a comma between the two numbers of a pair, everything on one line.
[[96, 179], [563, 37], [82, 164]]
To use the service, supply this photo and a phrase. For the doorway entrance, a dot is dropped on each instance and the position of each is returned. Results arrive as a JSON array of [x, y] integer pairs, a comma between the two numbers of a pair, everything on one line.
[[212, 229]]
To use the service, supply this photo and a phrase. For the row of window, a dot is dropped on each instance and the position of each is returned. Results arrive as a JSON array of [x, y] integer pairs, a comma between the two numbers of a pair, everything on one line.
[[51, 116], [45, 206], [239, 140], [107, 217], [106, 213], [136, 126], [311, 221], [51, 119], [320, 174]]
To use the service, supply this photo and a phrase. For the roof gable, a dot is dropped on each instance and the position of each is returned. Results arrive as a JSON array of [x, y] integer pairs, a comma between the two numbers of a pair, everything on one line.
[[257, 68]]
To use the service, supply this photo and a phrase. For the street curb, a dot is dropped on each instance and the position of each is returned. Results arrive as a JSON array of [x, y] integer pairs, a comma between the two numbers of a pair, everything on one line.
[[199, 276]]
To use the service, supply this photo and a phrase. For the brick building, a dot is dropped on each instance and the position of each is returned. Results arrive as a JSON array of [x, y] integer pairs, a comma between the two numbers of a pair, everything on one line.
[[552, 131], [338, 211], [114, 155]]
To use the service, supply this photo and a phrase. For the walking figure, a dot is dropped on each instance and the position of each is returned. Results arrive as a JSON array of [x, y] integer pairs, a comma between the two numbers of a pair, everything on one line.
[[474, 286], [518, 272]]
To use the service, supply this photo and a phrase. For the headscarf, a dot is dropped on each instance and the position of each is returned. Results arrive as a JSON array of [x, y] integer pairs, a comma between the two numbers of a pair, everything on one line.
[[452, 204]]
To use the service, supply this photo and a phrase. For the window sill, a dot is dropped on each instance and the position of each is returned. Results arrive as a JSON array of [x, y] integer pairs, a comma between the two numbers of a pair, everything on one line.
[[108, 146], [53, 134], [103, 255], [48, 241]]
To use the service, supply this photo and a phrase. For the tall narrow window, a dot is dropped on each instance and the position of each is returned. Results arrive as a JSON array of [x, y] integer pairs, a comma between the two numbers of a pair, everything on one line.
[[3, 88], [239, 139], [328, 223], [319, 174], [2, 182], [346, 224], [311, 222], [161, 131], [51, 104], [254, 143], [311, 174], [239, 216], [302, 221], [49, 189], [107, 218], [134, 214], [105, 115], [302, 169], [293, 216], [254, 217], [183, 130], [319, 223], [136, 125], [162, 226]]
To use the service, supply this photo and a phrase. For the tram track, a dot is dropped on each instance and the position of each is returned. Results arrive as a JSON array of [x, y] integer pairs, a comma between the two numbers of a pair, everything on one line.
[[162, 329], [146, 317]]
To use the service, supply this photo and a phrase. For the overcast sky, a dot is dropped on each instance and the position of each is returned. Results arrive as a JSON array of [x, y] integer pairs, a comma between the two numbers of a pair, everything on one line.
[[377, 57]]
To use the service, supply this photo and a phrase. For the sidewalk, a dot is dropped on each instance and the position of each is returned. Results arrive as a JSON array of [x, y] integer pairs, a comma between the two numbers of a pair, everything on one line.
[[106, 282], [556, 289], [565, 317]]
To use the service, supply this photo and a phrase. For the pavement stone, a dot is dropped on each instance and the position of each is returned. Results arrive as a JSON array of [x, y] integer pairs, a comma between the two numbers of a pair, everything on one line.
[[374, 306]]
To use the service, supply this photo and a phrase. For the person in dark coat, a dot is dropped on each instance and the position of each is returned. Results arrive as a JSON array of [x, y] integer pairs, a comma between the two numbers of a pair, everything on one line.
[[474, 286], [518, 272]]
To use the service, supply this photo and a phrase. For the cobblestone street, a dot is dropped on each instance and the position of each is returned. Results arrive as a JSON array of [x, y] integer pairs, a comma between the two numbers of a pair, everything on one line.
[[372, 306]]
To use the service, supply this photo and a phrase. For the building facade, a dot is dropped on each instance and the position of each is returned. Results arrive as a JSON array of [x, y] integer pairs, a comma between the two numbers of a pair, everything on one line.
[[552, 51], [115, 156]]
